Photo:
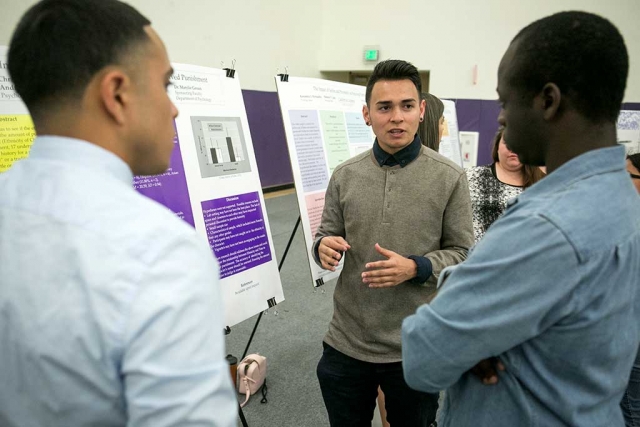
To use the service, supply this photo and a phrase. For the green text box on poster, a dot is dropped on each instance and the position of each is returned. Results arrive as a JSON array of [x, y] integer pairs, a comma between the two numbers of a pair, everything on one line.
[[334, 131]]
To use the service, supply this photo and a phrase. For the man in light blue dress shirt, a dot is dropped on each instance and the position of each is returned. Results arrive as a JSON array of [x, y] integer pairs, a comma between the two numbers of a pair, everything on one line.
[[110, 312], [549, 294]]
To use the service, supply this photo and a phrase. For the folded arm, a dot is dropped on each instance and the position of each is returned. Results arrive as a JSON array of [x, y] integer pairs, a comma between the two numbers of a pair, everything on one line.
[[509, 290]]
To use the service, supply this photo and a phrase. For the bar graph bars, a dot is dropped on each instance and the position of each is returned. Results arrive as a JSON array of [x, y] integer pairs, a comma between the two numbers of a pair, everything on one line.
[[232, 154], [221, 150], [220, 144]]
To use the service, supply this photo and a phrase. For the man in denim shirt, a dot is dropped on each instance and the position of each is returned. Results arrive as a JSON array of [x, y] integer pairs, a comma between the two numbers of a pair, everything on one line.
[[549, 294]]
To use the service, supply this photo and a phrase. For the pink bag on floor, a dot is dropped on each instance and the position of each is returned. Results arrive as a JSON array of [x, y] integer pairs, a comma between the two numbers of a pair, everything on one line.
[[252, 375]]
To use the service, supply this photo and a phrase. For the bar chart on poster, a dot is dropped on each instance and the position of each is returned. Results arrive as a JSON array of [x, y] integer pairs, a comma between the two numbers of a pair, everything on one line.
[[220, 146], [213, 184], [324, 127]]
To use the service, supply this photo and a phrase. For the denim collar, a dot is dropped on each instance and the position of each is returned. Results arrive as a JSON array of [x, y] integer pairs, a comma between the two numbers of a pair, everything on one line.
[[594, 162]]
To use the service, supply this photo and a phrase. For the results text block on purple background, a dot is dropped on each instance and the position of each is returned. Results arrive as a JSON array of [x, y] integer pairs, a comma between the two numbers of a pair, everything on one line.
[[237, 233]]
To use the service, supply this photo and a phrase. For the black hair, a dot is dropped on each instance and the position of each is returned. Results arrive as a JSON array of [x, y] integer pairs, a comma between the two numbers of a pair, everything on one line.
[[393, 69], [59, 45], [429, 128], [635, 160], [583, 54]]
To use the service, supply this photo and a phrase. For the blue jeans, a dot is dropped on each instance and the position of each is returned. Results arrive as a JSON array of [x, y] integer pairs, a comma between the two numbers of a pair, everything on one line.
[[631, 399], [350, 387]]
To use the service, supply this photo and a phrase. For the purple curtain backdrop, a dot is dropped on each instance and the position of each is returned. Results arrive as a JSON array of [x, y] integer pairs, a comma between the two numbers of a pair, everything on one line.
[[269, 141], [267, 131], [478, 115]]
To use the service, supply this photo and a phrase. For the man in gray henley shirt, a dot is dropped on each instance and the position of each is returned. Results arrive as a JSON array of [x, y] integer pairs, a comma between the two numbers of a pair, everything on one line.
[[401, 213]]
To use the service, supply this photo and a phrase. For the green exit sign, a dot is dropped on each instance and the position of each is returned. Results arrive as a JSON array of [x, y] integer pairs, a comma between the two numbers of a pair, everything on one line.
[[371, 54]]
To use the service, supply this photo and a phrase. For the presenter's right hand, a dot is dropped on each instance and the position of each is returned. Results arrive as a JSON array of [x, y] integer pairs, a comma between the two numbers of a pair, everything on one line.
[[330, 251]]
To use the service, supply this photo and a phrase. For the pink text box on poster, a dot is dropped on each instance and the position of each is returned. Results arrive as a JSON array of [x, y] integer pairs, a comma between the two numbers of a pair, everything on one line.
[[315, 205]]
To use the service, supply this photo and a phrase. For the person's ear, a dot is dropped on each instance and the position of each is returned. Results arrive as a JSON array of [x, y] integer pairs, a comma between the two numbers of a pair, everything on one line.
[[423, 108], [365, 114], [115, 88], [550, 99]]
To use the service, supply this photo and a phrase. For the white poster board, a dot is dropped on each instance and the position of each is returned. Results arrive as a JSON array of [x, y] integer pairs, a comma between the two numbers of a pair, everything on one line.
[[628, 130], [16, 128], [213, 184], [469, 148], [450, 144], [324, 127]]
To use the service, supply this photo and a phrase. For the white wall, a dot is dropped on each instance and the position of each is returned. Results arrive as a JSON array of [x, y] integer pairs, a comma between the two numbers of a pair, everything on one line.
[[261, 35], [448, 37]]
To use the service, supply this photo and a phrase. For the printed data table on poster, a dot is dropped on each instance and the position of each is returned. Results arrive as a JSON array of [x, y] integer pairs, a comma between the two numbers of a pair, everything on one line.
[[16, 128], [213, 184], [324, 126]]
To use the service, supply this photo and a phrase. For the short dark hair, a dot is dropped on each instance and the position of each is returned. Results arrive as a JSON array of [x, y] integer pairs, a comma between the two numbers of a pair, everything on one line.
[[429, 128], [583, 54], [393, 69], [635, 160], [59, 45], [530, 174]]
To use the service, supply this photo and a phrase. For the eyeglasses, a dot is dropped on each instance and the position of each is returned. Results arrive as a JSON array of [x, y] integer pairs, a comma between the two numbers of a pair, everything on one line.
[[633, 176]]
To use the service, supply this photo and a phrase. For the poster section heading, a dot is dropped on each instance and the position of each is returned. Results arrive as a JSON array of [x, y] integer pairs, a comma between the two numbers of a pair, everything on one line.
[[197, 87]]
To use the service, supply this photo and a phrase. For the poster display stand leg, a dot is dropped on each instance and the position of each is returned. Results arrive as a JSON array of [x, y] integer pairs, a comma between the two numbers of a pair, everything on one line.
[[243, 420], [227, 330], [284, 256]]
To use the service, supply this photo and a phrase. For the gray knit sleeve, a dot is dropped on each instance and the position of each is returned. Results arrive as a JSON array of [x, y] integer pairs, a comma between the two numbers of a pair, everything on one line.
[[457, 229]]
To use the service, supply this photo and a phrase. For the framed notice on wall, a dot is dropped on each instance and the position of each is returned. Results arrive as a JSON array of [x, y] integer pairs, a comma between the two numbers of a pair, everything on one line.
[[469, 148]]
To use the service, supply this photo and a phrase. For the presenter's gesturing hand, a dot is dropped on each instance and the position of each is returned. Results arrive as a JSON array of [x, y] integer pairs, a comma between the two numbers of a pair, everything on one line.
[[390, 272], [330, 251]]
